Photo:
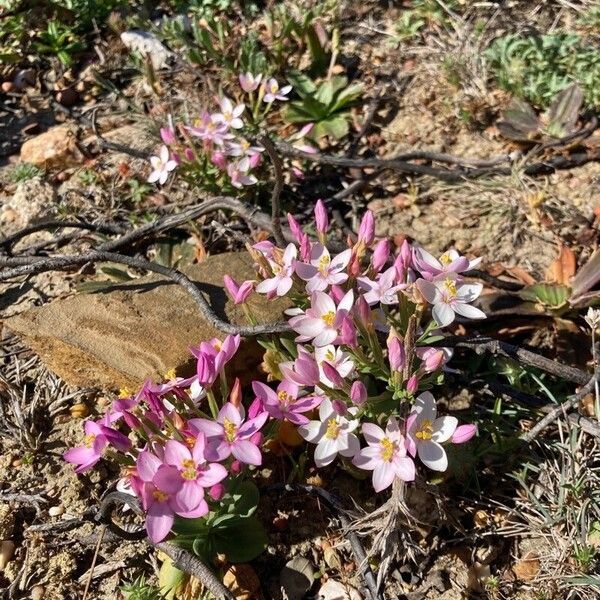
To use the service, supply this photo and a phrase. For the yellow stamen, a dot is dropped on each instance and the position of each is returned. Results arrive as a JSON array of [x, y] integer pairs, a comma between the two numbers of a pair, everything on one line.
[[170, 375], [324, 263], [333, 429], [160, 495], [450, 286], [88, 440], [283, 396], [190, 441], [189, 469], [124, 393], [329, 318], [227, 116], [426, 431], [217, 345], [230, 429], [388, 448], [445, 259], [329, 355]]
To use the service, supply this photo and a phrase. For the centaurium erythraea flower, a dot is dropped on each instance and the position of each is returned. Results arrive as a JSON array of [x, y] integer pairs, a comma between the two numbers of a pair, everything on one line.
[[284, 402], [282, 279], [162, 165], [323, 271]]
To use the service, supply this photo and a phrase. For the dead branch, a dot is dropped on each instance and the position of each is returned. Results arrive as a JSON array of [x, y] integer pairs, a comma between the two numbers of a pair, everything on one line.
[[277, 188]]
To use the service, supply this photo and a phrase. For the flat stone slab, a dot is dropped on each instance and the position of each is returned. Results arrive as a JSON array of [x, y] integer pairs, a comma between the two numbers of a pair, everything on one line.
[[117, 338]]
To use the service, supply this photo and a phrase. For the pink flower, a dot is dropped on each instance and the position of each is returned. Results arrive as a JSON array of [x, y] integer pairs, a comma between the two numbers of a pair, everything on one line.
[[239, 173], [159, 487], [243, 148], [195, 472], [322, 322], [433, 358], [213, 356], [219, 159], [304, 371], [332, 433], [229, 115], [463, 433], [97, 438], [385, 455], [229, 434], [449, 262], [209, 131], [239, 293], [249, 82], [449, 297], [425, 433], [282, 281], [323, 271], [383, 290], [284, 403], [162, 165], [274, 92]]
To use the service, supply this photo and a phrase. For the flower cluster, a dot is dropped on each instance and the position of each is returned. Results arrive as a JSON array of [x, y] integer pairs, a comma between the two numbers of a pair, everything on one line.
[[352, 378], [216, 142]]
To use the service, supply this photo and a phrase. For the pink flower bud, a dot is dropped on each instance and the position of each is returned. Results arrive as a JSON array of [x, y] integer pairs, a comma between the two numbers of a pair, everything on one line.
[[305, 248], [189, 154], [217, 491], [255, 160], [396, 354], [167, 135], [348, 333], [358, 393], [339, 407], [131, 421], [433, 359], [337, 293], [321, 218], [363, 312], [219, 159], [257, 438], [412, 385], [205, 370], [236, 467], [255, 408], [406, 254], [332, 374], [380, 254], [239, 293], [366, 231], [235, 396], [463, 433], [295, 227]]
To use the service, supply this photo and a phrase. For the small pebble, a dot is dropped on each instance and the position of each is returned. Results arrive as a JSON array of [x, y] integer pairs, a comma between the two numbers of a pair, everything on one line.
[[37, 592], [56, 511], [7, 550], [79, 410], [7, 86]]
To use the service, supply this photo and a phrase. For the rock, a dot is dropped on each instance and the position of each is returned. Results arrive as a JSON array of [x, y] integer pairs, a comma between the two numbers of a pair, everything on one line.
[[7, 86], [147, 44], [56, 511], [7, 550], [297, 577], [334, 590], [117, 338], [23, 78], [57, 147], [32, 201]]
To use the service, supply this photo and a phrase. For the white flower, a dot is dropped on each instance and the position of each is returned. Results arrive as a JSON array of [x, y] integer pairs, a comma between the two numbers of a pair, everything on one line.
[[229, 114], [274, 92], [425, 433], [162, 166], [281, 282], [323, 271], [449, 296], [332, 433], [239, 173], [383, 290]]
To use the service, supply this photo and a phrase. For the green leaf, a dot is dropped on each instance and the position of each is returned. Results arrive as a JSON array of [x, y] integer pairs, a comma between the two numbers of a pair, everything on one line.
[[347, 97], [335, 127], [242, 541], [549, 294], [245, 499], [171, 579], [302, 84], [319, 56]]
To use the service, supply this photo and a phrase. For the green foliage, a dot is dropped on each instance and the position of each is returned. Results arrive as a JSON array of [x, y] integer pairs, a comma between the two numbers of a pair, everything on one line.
[[59, 40], [24, 172], [408, 27], [537, 68], [326, 105], [232, 530], [139, 589]]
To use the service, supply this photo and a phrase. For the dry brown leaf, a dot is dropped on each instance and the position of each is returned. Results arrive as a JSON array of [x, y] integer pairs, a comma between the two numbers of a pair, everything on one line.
[[242, 581], [521, 274], [563, 268], [527, 567]]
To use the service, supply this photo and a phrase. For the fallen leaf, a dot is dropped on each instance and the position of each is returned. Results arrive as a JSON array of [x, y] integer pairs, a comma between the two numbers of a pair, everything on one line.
[[242, 581], [521, 275], [563, 268], [297, 577]]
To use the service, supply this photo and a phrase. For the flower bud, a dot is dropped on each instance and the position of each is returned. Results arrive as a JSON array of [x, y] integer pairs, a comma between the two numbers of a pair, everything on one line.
[[332, 374], [358, 393], [295, 227], [205, 370], [366, 231], [339, 407], [396, 354], [219, 159], [217, 491], [321, 218], [381, 253], [463, 433], [412, 385], [235, 396], [348, 333]]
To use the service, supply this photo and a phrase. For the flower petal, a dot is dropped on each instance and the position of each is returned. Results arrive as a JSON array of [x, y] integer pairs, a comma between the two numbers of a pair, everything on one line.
[[432, 455]]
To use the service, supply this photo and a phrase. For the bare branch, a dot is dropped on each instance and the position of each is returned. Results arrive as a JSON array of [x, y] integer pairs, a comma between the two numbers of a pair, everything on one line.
[[277, 188]]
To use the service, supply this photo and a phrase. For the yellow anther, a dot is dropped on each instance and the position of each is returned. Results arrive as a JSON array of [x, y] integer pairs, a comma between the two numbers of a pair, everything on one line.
[[426, 431], [445, 259], [283, 396], [450, 286], [329, 318], [324, 263], [160, 495], [190, 470], [88, 440], [333, 429], [388, 448], [124, 393], [230, 429], [170, 375], [329, 355]]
